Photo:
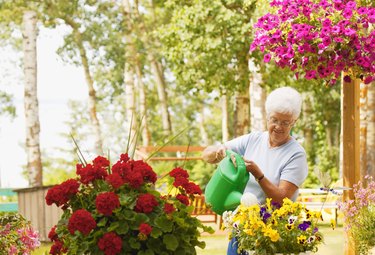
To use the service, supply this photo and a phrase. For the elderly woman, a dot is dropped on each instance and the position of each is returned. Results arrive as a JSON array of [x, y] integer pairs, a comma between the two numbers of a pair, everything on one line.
[[276, 161]]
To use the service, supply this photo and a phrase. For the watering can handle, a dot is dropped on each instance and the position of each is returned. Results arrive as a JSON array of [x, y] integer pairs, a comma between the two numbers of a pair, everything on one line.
[[239, 163]]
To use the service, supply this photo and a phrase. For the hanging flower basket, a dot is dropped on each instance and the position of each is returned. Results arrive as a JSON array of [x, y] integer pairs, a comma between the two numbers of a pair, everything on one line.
[[319, 39]]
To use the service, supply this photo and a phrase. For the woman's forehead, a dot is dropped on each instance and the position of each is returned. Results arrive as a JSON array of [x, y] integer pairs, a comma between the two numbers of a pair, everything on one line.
[[281, 116]]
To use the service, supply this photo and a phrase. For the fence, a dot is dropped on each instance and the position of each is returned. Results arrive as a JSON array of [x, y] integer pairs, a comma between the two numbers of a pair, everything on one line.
[[32, 205]]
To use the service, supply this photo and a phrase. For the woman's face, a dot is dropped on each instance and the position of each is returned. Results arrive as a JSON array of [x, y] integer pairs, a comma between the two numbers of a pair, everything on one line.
[[279, 125]]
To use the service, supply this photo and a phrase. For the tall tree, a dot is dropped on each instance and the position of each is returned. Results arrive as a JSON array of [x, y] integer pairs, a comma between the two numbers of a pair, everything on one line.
[[34, 162], [370, 140]]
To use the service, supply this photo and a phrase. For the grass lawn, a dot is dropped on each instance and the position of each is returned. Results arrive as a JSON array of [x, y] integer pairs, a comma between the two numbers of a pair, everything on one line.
[[216, 244]]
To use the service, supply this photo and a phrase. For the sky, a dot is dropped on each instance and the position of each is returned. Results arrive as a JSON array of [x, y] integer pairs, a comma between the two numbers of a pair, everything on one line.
[[57, 84]]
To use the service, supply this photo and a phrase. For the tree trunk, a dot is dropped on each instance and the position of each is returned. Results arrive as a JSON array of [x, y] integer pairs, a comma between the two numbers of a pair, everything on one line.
[[146, 136], [371, 130], [363, 130], [158, 73], [34, 161], [307, 131], [241, 114], [129, 74], [257, 101], [90, 84], [225, 118], [203, 131]]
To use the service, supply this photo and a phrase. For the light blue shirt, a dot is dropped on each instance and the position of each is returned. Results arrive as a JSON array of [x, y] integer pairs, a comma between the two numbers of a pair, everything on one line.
[[287, 162]]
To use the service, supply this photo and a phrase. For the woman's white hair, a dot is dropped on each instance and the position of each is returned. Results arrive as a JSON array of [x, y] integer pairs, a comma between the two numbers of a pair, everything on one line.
[[284, 100]]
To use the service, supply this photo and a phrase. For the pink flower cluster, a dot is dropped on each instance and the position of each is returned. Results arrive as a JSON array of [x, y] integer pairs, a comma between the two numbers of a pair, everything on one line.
[[364, 198], [319, 38]]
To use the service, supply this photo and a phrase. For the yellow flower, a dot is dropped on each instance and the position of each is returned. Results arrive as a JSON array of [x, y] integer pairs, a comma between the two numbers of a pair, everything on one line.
[[301, 239], [289, 226], [272, 234]]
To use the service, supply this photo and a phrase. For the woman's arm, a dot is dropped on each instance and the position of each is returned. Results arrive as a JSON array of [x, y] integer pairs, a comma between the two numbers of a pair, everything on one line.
[[277, 193]]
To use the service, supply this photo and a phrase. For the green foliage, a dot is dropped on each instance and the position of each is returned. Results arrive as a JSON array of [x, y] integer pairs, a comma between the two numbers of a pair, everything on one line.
[[206, 45]]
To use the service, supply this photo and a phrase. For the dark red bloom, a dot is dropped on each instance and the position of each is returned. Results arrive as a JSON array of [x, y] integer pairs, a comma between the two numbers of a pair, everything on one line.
[[145, 229], [192, 188], [145, 169], [90, 173], [57, 248], [145, 203], [179, 172], [169, 208], [124, 157], [183, 199], [180, 181], [115, 180], [52, 234], [60, 194], [106, 202], [82, 221], [110, 244], [100, 161], [135, 179]]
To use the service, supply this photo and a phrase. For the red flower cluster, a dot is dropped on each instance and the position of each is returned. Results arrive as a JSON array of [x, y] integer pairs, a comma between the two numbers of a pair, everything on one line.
[[106, 202], [145, 229], [133, 172], [57, 248], [60, 194], [183, 199], [169, 208], [82, 221], [181, 180], [145, 203], [91, 172], [110, 243]]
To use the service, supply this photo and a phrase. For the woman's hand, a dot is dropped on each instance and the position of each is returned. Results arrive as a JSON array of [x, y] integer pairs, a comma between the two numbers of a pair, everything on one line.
[[214, 154], [253, 168]]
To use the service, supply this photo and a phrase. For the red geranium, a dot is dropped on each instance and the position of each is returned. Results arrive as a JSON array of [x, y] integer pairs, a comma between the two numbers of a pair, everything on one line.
[[57, 248], [52, 234], [169, 208], [179, 172], [82, 221], [145, 229], [90, 173], [110, 243], [115, 180], [100, 161], [192, 188], [145, 203], [106, 202], [183, 199], [60, 194]]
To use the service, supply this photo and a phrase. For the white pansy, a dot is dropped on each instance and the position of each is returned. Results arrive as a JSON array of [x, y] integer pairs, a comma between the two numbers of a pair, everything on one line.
[[249, 199]]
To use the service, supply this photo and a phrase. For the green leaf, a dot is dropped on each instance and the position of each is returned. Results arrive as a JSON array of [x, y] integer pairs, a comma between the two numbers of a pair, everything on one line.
[[171, 242], [156, 232], [123, 228], [113, 226], [102, 222], [134, 243], [147, 252], [163, 223]]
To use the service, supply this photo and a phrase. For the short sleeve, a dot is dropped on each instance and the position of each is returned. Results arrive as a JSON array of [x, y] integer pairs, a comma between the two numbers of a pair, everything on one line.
[[240, 144], [295, 170]]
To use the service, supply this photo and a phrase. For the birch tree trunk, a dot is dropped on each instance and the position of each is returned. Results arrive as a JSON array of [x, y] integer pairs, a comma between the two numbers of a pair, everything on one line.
[[90, 84], [307, 131], [203, 131], [129, 74], [363, 130], [371, 130], [241, 114], [34, 162], [225, 120]]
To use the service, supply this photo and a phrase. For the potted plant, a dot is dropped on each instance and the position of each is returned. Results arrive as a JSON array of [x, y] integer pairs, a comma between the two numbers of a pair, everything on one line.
[[359, 216], [271, 228], [17, 235], [318, 39], [116, 209]]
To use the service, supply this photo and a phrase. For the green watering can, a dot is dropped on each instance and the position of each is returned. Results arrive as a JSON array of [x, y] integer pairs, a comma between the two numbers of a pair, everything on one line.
[[225, 188]]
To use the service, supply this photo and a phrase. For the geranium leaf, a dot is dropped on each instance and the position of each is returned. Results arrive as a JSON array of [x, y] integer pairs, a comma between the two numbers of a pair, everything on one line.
[[123, 228], [164, 223], [102, 222], [134, 243], [113, 226], [171, 242], [156, 232], [147, 252]]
